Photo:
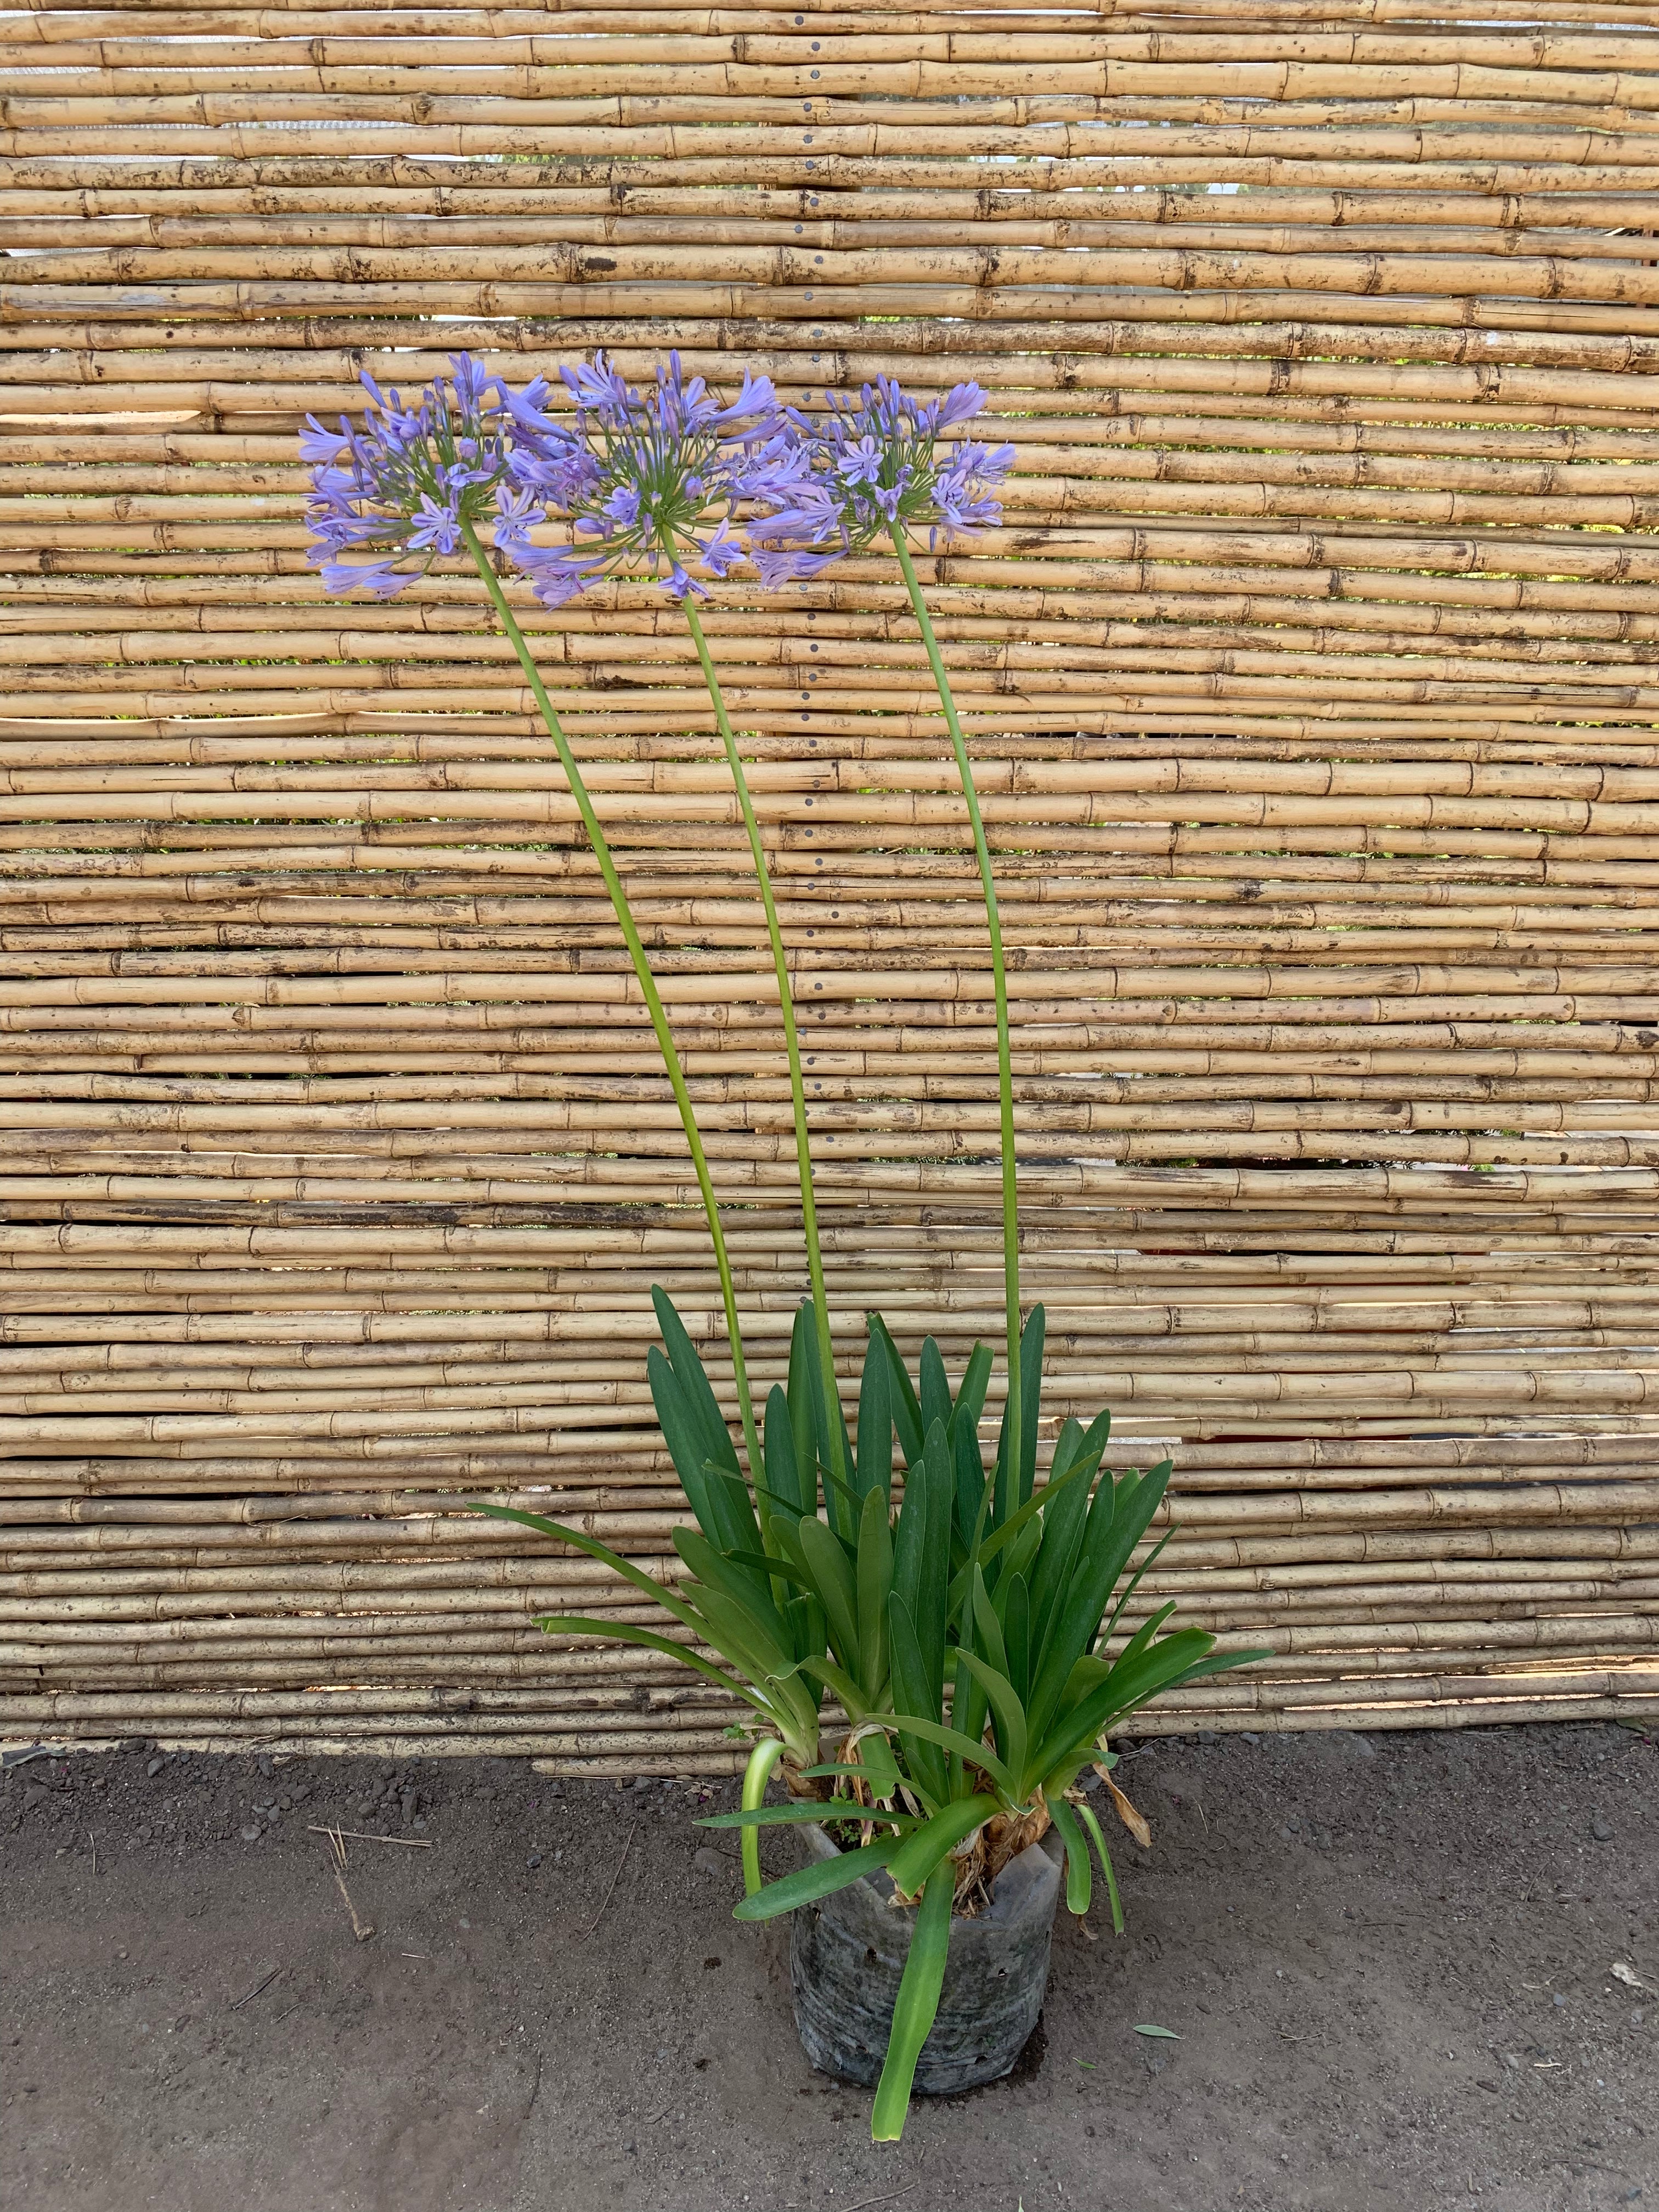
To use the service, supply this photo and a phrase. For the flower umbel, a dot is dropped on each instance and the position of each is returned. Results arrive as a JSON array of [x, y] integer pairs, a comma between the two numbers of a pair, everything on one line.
[[400, 490], [648, 482], [889, 460]]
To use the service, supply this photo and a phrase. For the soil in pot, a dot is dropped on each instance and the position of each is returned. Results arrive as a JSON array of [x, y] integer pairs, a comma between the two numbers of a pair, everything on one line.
[[846, 1954]]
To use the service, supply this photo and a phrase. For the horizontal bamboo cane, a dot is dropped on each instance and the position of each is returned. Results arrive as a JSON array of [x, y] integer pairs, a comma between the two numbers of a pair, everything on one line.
[[666, 18], [263, 1712], [871, 268], [1339, 299], [290, 18], [662, 127], [1382, 171], [1287, 222], [613, 40], [289, 368]]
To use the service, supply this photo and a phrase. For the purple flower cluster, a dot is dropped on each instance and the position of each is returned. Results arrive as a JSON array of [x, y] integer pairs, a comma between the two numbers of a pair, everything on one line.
[[888, 461], [664, 481], [647, 481], [402, 487]]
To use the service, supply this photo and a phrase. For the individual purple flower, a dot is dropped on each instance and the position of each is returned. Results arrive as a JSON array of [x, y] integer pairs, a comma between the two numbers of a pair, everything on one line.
[[407, 486], [886, 460], [644, 482]]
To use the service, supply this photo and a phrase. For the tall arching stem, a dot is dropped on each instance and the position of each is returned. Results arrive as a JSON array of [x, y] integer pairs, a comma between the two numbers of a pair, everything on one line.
[[1000, 983], [647, 983], [809, 1214]]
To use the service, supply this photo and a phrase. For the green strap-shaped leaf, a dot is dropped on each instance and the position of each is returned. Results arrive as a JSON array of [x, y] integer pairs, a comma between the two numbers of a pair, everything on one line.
[[875, 1583], [784, 1478], [875, 1459], [1087, 1816], [738, 1527], [803, 1365], [911, 1862], [716, 1570], [917, 2009], [875, 1755], [935, 1387], [969, 1707], [783, 1537], [765, 1563], [782, 1816], [989, 1628], [969, 1400], [933, 1584], [826, 1561], [962, 1434], [691, 1447], [962, 1580], [1163, 1668], [901, 1398], [916, 1696], [733, 1630], [1017, 1560], [687, 1443], [628, 1632], [1066, 1444], [1030, 1394], [1010, 1713], [1144, 1635], [919, 1514], [1074, 1482], [661, 1594], [840, 1498], [1217, 1662], [821, 1878], [1130, 1587], [1117, 1522], [908, 1726], [1080, 1883], [1065, 1514], [693, 1383], [838, 1682]]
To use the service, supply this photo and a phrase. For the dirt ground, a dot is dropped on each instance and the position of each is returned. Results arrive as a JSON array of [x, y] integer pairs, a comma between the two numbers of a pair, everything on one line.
[[1389, 1962]]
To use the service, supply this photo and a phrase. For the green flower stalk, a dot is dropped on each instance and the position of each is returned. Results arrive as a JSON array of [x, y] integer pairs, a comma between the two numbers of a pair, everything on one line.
[[653, 997], [1019, 1474], [881, 469], [809, 1211]]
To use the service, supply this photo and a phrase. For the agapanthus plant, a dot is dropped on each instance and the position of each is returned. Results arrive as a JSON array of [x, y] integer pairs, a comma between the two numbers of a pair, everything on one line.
[[887, 466], [982, 1597], [648, 483]]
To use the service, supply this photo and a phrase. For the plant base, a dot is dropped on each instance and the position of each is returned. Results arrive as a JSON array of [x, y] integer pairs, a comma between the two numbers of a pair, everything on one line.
[[846, 1954]]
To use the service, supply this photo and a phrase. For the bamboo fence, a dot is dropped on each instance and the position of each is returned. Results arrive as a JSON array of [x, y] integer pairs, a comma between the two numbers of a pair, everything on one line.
[[1313, 678]]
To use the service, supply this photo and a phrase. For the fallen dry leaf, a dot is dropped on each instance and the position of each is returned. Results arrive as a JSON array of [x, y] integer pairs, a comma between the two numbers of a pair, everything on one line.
[[1133, 1821]]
